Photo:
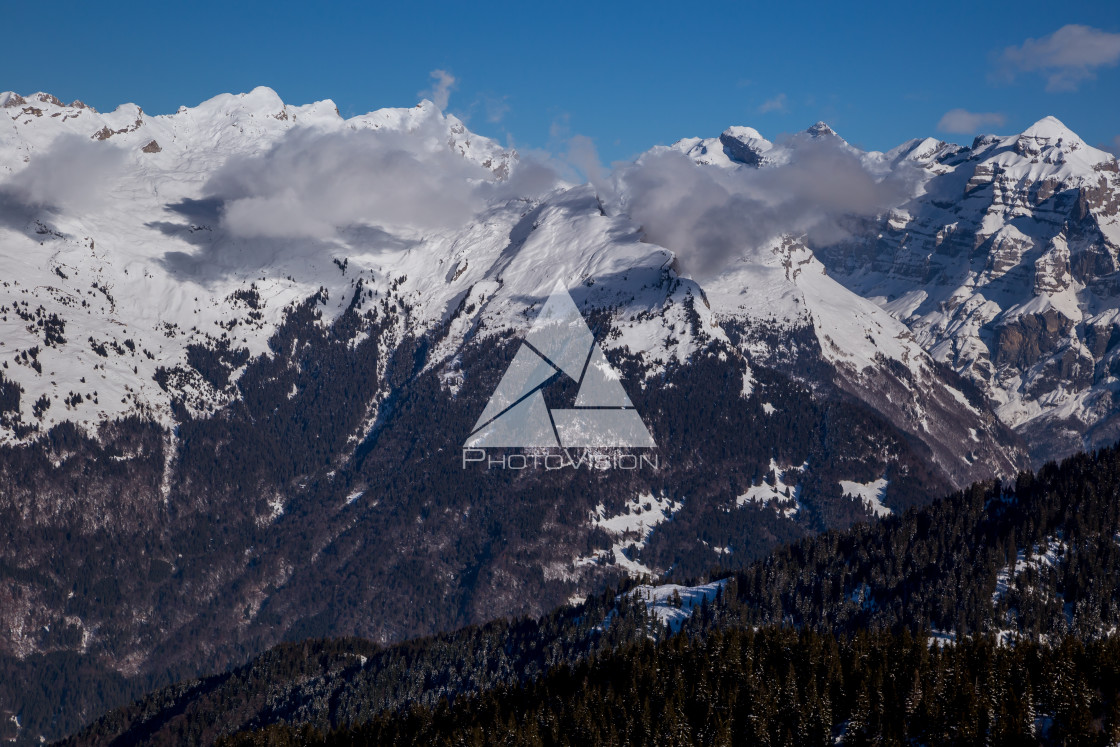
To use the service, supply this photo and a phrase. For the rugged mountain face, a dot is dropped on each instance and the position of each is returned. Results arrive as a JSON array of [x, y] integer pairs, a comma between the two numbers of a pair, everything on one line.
[[1001, 262], [243, 345], [1004, 266]]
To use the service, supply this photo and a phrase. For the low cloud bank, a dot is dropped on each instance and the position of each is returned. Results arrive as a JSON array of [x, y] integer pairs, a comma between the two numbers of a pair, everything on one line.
[[710, 216], [313, 183], [320, 184], [73, 174]]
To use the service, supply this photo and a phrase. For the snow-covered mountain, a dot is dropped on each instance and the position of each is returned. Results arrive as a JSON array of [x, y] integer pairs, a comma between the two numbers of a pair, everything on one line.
[[116, 262], [1004, 266]]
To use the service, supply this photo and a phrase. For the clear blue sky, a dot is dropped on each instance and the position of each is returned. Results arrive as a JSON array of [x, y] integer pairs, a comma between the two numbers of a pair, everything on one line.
[[628, 75]]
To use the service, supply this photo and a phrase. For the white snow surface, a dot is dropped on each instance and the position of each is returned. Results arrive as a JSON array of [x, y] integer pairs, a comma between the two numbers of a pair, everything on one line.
[[124, 265], [142, 266], [870, 493]]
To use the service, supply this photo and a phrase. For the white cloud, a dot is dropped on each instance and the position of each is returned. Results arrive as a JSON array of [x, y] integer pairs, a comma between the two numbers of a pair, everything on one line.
[[496, 108], [314, 183], [964, 122], [585, 157], [72, 173], [710, 216], [440, 93], [776, 104], [1066, 57], [311, 182]]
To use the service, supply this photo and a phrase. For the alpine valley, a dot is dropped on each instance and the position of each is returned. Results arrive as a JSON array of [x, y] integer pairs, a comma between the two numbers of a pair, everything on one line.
[[242, 347]]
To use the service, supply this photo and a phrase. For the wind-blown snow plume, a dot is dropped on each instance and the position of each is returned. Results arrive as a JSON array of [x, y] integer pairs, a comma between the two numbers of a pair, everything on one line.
[[585, 157], [709, 216], [441, 88]]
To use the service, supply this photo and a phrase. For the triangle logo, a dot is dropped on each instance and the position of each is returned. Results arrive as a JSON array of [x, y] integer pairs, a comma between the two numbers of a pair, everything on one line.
[[559, 344]]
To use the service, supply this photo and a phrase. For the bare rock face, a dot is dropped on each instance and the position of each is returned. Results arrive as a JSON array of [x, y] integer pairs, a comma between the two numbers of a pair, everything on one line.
[[1025, 340], [152, 147], [741, 147]]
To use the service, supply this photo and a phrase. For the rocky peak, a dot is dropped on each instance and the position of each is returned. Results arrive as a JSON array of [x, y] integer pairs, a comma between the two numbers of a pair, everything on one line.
[[1000, 281], [982, 141], [1047, 132], [820, 129], [745, 145]]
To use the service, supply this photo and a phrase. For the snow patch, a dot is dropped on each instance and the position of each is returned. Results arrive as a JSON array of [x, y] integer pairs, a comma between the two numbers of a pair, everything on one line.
[[632, 527], [941, 638], [871, 493], [784, 498], [748, 384]]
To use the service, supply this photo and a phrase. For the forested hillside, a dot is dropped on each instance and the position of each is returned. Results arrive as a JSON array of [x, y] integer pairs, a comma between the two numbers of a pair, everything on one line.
[[778, 686], [1022, 571]]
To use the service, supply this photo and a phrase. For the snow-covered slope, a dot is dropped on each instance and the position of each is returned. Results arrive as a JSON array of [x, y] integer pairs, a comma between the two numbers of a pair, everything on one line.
[[775, 277], [161, 244]]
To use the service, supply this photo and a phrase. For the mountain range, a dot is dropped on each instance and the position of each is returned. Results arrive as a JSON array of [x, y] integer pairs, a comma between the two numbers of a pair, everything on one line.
[[243, 345]]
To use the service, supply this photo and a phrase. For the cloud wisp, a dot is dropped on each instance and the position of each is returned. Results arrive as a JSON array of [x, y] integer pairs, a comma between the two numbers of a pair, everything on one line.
[[313, 183], [1066, 58], [319, 185], [317, 189], [964, 122], [442, 84], [776, 104], [316, 186]]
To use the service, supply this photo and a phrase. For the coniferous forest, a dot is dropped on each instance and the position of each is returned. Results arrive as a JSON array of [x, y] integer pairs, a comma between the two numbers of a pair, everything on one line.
[[987, 617], [781, 687]]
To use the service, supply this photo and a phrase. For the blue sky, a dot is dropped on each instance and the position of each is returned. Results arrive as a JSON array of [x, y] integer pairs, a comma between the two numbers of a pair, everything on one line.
[[628, 75]]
